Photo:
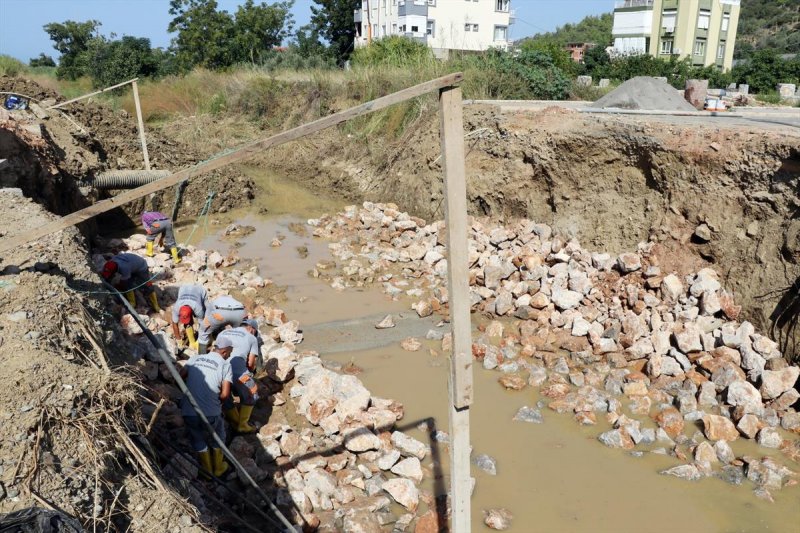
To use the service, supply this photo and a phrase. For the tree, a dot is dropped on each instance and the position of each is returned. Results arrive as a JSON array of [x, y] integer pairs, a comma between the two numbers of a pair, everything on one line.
[[596, 62], [204, 34], [333, 19], [560, 57], [216, 39], [259, 28], [307, 42], [42, 61], [765, 69], [72, 40], [114, 61]]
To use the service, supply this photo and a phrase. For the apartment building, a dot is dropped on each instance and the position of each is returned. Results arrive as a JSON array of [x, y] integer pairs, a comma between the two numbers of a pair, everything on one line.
[[443, 25], [703, 30]]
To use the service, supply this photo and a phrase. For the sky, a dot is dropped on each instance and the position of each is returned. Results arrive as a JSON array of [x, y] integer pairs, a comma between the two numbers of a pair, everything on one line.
[[22, 35]]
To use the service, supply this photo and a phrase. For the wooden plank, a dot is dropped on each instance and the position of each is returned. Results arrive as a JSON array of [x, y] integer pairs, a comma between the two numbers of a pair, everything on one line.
[[248, 150], [460, 479], [455, 191], [460, 378], [140, 123], [79, 98]]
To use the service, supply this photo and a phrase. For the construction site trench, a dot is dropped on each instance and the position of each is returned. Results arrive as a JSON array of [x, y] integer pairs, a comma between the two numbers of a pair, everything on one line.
[[635, 299]]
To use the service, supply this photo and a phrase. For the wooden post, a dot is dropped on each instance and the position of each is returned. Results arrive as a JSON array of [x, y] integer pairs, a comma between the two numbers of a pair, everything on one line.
[[141, 124], [460, 380]]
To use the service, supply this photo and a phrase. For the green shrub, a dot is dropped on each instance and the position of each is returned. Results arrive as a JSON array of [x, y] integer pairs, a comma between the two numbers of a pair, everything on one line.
[[392, 51], [10, 66], [528, 74], [769, 97]]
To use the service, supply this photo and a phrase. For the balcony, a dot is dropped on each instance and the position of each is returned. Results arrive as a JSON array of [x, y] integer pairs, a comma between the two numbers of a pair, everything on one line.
[[512, 16], [621, 4]]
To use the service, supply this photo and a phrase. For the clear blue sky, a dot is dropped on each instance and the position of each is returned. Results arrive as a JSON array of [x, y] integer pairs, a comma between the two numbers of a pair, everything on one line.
[[22, 36]]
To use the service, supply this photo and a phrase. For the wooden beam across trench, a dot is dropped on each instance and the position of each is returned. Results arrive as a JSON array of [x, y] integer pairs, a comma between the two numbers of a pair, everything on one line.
[[452, 142]]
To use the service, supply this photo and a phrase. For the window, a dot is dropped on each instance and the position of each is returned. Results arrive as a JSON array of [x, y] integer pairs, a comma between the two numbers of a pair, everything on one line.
[[666, 47], [403, 28], [501, 5], [501, 33], [721, 51], [432, 3], [699, 47], [467, 27], [668, 20], [394, 27], [429, 30], [374, 30], [704, 19], [414, 29], [383, 30], [474, 27], [726, 21]]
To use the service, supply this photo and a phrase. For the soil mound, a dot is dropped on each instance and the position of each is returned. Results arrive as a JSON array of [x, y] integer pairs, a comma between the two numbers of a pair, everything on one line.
[[644, 92]]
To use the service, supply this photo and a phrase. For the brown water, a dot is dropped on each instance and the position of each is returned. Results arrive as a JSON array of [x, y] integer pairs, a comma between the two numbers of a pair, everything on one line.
[[553, 477]]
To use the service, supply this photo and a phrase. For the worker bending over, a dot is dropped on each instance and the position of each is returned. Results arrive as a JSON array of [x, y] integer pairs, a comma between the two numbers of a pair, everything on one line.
[[243, 365], [128, 273], [208, 378], [224, 311], [159, 225], [191, 304]]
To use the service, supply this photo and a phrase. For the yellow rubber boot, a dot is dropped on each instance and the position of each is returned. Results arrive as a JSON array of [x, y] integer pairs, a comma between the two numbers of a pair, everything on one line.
[[205, 463], [148, 248], [244, 425], [232, 416], [176, 258], [131, 298], [218, 460], [191, 337], [154, 302]]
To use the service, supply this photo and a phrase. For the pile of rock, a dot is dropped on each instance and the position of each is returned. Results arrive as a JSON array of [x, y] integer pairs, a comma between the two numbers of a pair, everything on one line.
[[338, 466], [599, 334]]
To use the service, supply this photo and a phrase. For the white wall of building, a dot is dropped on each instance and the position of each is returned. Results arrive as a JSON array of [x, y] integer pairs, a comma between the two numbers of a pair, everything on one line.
[[456, 24], [632, 23]]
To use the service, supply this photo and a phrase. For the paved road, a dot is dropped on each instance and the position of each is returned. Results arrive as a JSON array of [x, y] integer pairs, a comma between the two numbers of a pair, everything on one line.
[[763, 117]]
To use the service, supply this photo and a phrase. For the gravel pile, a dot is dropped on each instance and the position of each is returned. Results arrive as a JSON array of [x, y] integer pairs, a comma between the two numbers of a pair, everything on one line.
[[646, 93]]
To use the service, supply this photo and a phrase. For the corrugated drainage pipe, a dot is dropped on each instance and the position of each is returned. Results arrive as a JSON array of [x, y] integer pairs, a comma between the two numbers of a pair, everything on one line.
[[128, 179]]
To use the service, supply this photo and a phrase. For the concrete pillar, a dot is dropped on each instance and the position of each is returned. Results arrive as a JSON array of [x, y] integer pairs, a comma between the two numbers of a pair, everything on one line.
[[604, 82], [696, 92], [584, 81], [786, 90]]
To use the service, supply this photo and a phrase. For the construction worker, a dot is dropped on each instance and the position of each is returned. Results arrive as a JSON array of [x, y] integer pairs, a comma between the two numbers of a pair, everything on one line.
[[208, 378], [243, 365], [224, 311], [159, 225], [128, 273], [191, 303]]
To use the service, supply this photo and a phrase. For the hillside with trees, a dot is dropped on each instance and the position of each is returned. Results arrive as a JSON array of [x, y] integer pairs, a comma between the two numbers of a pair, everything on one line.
[[772, 24], [763, 24]]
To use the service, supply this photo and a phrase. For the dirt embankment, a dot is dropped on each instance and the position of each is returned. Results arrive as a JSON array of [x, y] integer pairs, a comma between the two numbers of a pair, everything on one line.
[[88, 138], [610, 182]]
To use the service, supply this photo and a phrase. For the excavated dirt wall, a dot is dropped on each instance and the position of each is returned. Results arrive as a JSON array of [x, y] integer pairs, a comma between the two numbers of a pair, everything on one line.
[[90, 138], [610, 182]]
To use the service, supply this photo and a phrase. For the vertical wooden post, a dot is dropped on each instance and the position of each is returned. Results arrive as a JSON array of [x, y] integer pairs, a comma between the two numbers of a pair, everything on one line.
[[460, 381], [141, 124]]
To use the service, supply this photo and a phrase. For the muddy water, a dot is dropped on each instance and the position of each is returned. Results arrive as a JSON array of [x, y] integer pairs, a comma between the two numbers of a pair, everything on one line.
[[555, 476]]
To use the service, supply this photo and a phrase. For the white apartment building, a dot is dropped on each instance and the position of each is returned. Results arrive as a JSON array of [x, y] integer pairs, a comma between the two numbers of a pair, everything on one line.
[[443, 25]]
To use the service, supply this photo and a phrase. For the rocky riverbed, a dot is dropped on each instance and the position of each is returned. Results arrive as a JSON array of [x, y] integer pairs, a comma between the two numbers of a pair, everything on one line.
[[328, 450], [660, 356]]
